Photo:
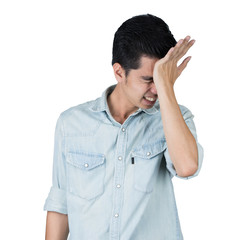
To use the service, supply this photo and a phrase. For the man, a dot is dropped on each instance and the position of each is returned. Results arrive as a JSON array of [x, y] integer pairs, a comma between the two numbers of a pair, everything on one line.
[[114, 157]]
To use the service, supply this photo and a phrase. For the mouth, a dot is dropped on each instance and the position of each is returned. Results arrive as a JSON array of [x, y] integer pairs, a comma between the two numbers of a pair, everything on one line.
[[149, 100]]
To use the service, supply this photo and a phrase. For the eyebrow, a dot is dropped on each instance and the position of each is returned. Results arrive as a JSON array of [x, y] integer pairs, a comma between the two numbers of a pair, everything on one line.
[[147, 78]]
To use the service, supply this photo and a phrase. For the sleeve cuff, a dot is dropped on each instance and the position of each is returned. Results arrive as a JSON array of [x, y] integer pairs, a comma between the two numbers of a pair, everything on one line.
[[171, 169], [56, 201]]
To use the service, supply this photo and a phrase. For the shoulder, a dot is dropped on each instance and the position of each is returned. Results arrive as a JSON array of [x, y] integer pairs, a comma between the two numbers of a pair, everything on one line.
[[186, 112], [79, 119], [74, 111]]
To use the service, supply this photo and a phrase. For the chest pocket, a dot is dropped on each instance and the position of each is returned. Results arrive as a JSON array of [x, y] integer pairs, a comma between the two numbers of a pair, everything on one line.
[[147, 159], [86, 172]]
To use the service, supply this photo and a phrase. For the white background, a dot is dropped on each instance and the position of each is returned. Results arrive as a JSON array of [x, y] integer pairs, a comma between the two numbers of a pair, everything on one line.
[[57, 54]]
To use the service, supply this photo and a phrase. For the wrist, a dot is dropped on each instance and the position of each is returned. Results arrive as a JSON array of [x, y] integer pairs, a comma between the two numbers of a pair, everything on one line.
[[164, 87]]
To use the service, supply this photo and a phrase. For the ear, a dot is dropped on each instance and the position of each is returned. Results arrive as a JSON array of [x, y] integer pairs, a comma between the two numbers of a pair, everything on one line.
[[119, 72]]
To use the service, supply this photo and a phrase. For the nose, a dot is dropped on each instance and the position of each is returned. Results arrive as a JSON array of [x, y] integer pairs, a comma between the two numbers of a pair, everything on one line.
[[153, 89]]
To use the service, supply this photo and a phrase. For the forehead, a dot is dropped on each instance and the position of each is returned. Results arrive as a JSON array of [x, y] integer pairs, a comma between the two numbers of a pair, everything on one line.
[[147, 64]]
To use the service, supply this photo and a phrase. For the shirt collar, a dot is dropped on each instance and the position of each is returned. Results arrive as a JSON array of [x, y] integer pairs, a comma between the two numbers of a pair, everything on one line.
[[100, 104]]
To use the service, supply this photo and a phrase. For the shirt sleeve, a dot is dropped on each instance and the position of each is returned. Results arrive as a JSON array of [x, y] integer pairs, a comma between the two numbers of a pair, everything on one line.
[[188, 117], [56, 200]]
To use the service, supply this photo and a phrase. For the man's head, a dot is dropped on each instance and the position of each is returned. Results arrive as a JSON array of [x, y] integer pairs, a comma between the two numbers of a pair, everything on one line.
[[138, 44], [143, 35]]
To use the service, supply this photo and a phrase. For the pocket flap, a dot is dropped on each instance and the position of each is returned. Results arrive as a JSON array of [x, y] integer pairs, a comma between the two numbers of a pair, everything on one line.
[[85, 160], [150, 150]]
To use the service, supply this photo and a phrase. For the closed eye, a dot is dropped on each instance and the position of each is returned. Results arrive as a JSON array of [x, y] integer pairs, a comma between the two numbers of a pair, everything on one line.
[[147, 78]]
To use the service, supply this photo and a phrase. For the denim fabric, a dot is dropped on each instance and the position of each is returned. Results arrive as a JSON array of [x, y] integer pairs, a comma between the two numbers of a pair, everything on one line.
[[115, 180]]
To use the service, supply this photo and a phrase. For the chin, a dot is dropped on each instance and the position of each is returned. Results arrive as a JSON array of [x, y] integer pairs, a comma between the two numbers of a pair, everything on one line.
[[146, 106]]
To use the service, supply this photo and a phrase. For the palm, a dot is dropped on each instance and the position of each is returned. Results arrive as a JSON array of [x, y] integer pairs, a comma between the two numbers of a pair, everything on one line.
[[166, 69]]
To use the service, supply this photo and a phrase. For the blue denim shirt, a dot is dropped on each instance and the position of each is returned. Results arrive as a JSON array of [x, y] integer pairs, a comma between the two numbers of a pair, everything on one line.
[[115, 180]]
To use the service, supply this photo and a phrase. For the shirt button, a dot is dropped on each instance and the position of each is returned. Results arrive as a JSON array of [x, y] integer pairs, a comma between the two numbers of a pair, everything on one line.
[[116, 215], [148, 153], [123, 129], [119, 158], [85, 165], [118, 185]]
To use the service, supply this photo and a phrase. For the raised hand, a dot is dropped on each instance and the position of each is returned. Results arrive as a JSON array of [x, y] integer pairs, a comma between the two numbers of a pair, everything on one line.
[[167, 70]]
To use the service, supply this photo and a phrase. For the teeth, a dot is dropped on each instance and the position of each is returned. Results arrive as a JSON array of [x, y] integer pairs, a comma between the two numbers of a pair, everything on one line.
[[150, 99]]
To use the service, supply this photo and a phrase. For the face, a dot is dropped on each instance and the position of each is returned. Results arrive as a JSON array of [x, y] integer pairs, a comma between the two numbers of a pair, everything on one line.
[[138, 87]]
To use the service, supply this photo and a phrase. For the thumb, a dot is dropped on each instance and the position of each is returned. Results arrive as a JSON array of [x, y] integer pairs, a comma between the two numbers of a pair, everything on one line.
[[183, 65]]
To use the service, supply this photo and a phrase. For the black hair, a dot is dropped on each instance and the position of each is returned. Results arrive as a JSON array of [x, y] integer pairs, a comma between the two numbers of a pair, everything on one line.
[[143, 35]]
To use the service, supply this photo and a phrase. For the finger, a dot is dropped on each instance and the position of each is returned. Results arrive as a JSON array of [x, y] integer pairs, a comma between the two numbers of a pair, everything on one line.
[[183, 65], [180, 49], [173, 52], [182, 44], [188, 44], [183, 48], [169, 53], [187, 38]]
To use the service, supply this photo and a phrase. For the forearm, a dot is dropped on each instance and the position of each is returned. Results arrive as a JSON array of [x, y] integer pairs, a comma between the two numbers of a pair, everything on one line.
[[57, 226], [181, 144]]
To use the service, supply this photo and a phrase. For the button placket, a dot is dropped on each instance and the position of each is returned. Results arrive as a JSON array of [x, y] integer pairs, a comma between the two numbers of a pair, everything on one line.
[[118, 182]]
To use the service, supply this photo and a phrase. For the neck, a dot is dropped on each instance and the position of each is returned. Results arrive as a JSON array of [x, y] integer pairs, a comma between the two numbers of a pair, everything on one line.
[[119, 108]]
